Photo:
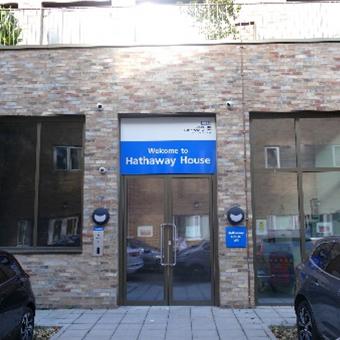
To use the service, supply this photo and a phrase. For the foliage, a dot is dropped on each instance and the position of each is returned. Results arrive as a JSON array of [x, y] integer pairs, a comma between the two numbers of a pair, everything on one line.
[[216, 18], [9, 28]]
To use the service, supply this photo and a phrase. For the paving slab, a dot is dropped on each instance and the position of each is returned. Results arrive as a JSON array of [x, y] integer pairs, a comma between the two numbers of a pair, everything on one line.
[[166, 323]]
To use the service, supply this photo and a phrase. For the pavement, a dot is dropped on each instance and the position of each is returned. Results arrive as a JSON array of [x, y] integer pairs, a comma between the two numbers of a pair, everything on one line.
[[166, 323]]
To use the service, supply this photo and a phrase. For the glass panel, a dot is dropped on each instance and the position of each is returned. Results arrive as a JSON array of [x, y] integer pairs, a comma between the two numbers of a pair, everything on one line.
[[192, 272], [333, 266], [61, 158], [321, 255], [277, 236], [17, 183], [273, 143], [145, 215], [272, 157], [320, 142], [75, 154], [321, 205], [59, 191]]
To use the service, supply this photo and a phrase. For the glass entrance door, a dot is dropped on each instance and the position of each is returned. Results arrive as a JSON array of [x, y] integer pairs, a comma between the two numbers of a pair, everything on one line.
[[168, 257]]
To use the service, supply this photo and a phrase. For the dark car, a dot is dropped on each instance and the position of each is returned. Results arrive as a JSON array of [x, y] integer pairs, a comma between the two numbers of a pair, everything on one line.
[[195, 259], [317, 296], [17, 303], [151, 255]]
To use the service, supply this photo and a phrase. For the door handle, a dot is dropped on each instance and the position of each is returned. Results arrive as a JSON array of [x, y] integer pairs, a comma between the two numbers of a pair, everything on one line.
[[174, 245], [170, 245], [162, 245]]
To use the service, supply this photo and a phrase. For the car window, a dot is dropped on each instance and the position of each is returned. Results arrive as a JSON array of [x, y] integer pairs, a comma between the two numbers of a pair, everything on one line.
[[333, 266], [3, 276], [8, 266], [15, 267], [321, 255]]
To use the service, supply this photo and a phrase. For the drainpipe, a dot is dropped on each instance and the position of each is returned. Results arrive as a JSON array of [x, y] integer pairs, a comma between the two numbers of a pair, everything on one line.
[[245, 167], [41, 36]]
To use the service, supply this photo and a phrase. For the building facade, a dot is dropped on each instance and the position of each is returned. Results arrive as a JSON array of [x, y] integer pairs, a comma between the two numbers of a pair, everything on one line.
[[258, 123]]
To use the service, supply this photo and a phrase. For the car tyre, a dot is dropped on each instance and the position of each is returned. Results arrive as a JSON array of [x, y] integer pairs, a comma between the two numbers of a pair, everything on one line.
[[305, 322], [26, 325]]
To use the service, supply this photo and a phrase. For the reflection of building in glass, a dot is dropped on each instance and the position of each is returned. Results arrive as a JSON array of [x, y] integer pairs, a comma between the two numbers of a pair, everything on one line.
[[63, 231], [24, 233], [34, 190], [298, 165]]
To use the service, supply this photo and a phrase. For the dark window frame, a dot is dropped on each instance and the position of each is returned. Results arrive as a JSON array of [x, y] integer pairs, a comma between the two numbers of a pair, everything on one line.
[[267, 156], [73, 4], [69, 162], [9, 5], [35, 249]]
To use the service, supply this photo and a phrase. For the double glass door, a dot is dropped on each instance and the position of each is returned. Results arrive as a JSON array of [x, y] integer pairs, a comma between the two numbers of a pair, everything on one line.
[[167, 240]]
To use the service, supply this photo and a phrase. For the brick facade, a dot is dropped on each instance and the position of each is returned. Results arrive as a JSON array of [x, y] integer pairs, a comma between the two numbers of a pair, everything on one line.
[[277, 77]]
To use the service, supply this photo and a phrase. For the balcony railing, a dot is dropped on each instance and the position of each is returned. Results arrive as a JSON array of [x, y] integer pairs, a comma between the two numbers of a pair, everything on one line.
[[167, 24]]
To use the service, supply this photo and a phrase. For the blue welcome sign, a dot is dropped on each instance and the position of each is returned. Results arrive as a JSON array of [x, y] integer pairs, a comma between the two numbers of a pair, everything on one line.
[[236, 237], [181, 145]]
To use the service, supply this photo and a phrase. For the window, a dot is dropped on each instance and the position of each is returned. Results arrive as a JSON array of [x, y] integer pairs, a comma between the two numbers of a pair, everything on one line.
[[63, 232], [67, 158], [98, 3], [272, 157], [320, 142], [273, 143], [336, 155], [333, 266], [321, 255], [32, 192], [10, 5], [24, 234], [192, 226], [8, 268], [3, 277], [296, 181]]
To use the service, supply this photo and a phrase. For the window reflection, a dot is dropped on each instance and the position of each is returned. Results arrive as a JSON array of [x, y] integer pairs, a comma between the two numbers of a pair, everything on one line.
[[144, 273], [17, 182], [59, 198], [60, 191], [321, 205], [277, 236], [192, 273], [320, 142], [273, 143], [276, 195]]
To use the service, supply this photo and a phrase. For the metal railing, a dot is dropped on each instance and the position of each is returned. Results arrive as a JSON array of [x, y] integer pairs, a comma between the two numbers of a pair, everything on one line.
[[167, 24]]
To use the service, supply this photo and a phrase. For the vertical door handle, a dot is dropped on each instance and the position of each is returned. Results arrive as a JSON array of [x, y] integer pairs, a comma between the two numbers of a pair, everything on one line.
[[170, 245], [174, 244], [162, 245]]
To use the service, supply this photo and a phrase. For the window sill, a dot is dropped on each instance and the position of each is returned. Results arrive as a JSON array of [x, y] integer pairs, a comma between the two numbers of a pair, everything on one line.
[[43, 250]]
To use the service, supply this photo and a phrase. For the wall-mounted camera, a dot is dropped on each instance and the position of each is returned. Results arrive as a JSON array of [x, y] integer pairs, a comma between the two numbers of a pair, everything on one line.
[[102, 170], [230, 104], [99, 107]]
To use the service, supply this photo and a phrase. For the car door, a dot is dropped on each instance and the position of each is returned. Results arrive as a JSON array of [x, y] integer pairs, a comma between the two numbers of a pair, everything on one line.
[[318, 287], [5, 313], [10, 297], [333, 270]]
